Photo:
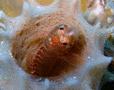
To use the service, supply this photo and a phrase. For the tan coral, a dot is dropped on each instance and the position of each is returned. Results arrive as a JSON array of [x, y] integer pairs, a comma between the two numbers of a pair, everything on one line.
[[51, 45]]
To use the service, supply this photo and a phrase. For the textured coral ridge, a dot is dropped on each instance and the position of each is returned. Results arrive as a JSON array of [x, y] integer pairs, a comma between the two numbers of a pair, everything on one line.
[[39, 55]]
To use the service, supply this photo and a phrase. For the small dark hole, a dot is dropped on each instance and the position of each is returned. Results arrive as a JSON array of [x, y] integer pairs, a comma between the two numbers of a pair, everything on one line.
[[61, 28], [37, 24], [64, 43]]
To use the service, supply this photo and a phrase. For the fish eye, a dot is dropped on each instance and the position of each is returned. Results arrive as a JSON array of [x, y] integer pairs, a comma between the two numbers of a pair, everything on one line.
[[61, 27]]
